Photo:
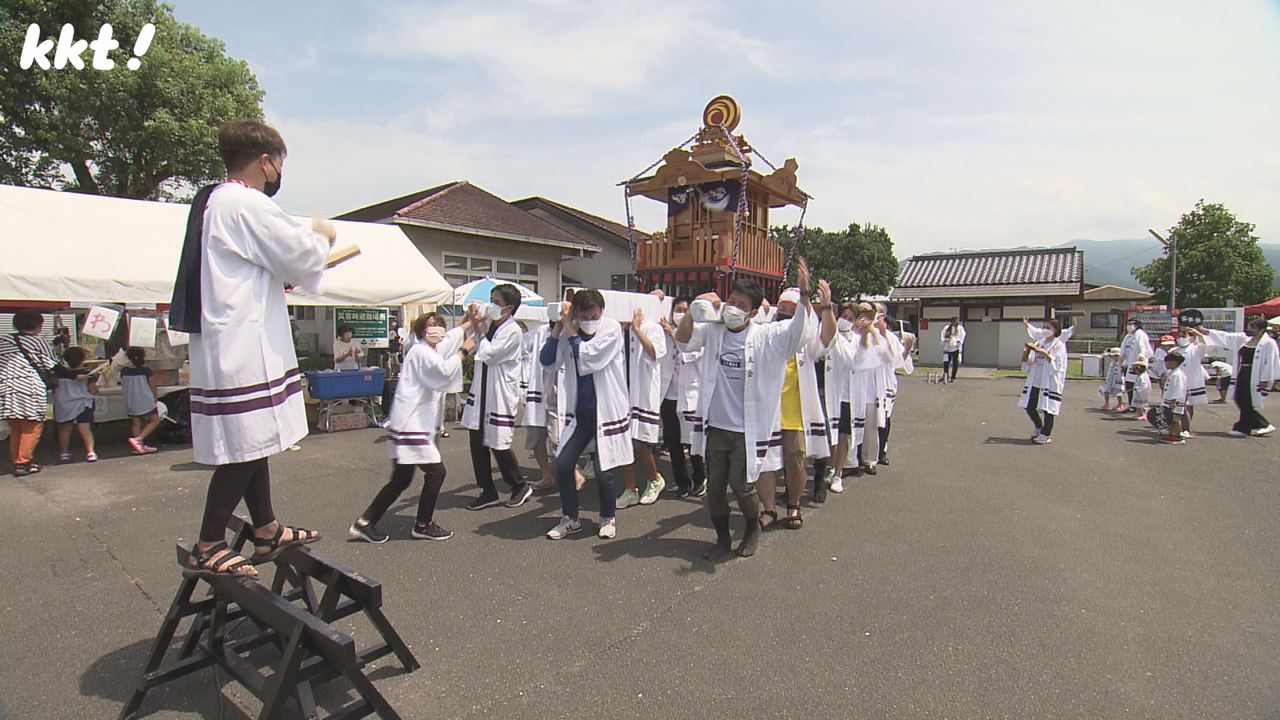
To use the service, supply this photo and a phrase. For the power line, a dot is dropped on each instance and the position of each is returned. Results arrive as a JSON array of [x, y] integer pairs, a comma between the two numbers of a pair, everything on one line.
[[1126, 257]]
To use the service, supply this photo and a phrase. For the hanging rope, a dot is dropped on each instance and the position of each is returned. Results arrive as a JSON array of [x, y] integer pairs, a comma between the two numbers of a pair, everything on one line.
[[799, 232], [631, 241], [742, 199], [760, 155]]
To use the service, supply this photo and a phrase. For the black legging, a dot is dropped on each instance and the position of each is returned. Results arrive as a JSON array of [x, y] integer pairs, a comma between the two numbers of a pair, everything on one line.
[[1250, 418], [401, 476], [951, 361], [675, 448], [508, 465], [250, 481], [1045, 425], [884, 437]]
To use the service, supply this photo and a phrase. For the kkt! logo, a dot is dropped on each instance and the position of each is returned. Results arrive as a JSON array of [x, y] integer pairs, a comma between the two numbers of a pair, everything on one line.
[[36, 52]]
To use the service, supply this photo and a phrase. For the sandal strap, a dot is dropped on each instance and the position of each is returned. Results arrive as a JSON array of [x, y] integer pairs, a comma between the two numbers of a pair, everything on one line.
[[200, 557], [300, 534]]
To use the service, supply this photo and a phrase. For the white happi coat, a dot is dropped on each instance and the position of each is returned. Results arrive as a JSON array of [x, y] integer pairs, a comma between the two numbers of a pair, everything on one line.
[[646, 383], [898, 357], [956, 343], [686, 375], [246, 393], [851, 378], [536, 411], [1194, 371], [415, 414], [817, 442], [767, 348], [1135, 344], [601, 358], [502, 387], [1266, 361], [1048, 374]]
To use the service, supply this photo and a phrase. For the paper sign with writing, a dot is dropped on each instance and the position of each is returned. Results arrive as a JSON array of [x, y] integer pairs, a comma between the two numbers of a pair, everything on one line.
[[100, 322]]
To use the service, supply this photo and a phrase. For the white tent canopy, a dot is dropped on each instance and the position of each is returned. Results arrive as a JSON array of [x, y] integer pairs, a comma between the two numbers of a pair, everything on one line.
[[81, 249]]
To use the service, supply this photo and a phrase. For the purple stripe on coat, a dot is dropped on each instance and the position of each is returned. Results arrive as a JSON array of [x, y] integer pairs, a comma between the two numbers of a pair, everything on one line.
[[243, 406], [245, 390]]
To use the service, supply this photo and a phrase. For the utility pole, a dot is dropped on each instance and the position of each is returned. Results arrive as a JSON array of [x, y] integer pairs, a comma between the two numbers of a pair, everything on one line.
[[1172, 244]]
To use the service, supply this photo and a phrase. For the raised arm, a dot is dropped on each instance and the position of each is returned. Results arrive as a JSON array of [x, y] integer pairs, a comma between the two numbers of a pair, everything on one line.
[[595, 354], [827, 314]]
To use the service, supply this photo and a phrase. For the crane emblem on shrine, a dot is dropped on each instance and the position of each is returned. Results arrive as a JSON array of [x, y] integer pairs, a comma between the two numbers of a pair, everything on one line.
[[717, 211]]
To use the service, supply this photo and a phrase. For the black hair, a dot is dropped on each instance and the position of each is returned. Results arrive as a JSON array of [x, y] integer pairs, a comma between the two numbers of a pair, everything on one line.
[[1254, 324], [74, 356], [509, 293], [1057, 326], [240, 142], [686, 299], [1136, 322], [751, 289], [27, 321], [584, 300], [345, 329], [1176, 357], [137, 356]]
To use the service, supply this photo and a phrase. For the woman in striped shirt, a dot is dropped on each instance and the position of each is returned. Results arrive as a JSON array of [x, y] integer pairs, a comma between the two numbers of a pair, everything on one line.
[[24, 396]]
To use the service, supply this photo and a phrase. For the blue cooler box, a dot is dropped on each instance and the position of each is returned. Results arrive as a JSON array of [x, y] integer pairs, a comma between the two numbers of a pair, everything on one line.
[[339, 384]]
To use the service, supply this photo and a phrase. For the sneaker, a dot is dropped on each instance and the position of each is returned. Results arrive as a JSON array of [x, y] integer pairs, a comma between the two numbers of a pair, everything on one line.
[[519, 495], [627, 499], [566, 526], [64, 457], [1042, 440], [837, 484], [869, 469], [1186, 434], [608, 528], [91, 457], [652, 490], [431, 532], [484, 501], [367, 533], [1263, 431], [683, 492], [1172, 440], [1236, 433], [699, 490]]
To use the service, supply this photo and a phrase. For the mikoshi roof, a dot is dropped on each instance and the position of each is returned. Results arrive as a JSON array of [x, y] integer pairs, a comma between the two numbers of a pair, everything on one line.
[[1044, 271], [79, 249]]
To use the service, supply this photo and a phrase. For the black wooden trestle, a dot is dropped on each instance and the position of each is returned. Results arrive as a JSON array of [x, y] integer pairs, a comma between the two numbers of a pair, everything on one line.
[[294, 616]]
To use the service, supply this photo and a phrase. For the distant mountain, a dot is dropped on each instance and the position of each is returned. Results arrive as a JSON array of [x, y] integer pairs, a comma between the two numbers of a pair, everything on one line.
[[1108, 262]]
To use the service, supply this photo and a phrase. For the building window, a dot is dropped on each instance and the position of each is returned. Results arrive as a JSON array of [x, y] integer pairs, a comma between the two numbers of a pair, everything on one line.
[[624, 282], [1104, 321], [462, 269]]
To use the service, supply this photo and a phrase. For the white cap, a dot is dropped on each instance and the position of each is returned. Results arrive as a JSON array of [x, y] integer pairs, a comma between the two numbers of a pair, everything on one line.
[[790, 295]]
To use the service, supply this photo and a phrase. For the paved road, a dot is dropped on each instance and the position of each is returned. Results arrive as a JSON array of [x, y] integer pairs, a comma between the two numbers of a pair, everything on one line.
[[978, 576]]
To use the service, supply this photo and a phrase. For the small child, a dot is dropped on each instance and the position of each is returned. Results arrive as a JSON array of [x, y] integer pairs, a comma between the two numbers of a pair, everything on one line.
[[1115, 381], [1222, 371], [1174, 404], [73, 403], [1141, 388], [138, 383]]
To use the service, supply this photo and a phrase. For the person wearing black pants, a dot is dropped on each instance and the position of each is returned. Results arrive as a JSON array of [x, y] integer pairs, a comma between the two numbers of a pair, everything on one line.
[[1043, 422], [424, 528], [685, 484]]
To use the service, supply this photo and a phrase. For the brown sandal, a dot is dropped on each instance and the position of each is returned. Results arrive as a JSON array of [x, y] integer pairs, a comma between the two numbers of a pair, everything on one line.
[[275, 545], [218, 560]]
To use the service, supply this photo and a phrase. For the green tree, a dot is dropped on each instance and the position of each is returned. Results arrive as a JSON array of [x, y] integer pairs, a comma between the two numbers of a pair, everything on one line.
[[856, 261], [149, 133], [1218, 260]]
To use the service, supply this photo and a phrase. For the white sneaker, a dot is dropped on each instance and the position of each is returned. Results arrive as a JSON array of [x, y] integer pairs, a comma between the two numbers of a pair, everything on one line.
[[652, 490], [1042, 440], [1236, 433], [567, 526], [837, 484], [627, 499], [608, 528], [1263, 431]]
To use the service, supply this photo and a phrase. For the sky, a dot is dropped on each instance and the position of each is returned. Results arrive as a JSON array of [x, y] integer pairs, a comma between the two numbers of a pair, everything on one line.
[[984, 124]]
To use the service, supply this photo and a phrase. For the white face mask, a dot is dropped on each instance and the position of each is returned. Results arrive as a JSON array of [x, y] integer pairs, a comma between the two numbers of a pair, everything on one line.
[[844, 325], [1183, 342], [677, 318], [434, 335], [494, 312], [1131, 327], [1046, 332], [588, 326], [734, 317]]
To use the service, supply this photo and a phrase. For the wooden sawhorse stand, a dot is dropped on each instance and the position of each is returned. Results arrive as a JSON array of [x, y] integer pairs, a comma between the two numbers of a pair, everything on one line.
[[312, 651]]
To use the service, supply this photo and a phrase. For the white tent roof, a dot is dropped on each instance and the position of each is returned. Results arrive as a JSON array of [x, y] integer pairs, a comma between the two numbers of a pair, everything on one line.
[[82, 249]]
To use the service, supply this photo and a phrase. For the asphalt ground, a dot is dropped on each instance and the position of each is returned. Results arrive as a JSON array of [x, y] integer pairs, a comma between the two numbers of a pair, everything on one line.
[[978, 576]]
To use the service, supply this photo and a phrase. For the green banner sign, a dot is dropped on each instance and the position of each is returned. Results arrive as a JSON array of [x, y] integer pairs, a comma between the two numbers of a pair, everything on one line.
[[370, 325]]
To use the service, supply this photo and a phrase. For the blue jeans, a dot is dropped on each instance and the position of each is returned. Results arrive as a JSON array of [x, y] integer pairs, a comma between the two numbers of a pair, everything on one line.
[[583, 433]]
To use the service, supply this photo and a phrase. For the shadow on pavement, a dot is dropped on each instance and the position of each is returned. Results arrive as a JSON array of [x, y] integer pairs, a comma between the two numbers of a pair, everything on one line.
[[114, 675]]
